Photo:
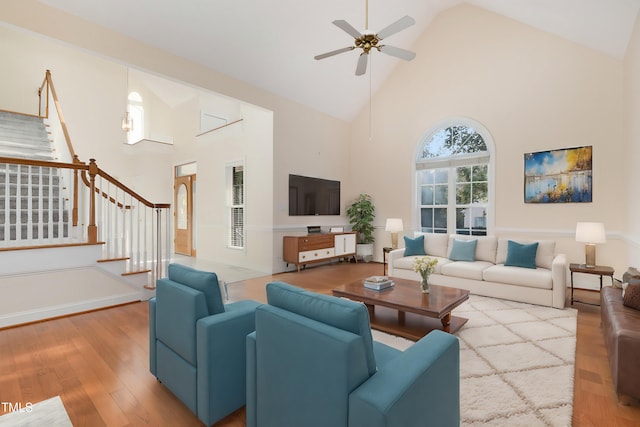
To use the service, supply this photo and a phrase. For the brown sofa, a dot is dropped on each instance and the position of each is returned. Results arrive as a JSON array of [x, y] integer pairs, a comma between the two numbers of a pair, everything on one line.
[[621, 327]]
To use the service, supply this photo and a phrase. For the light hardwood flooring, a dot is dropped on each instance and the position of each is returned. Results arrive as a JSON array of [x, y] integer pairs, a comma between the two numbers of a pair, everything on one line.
[[98, 362]]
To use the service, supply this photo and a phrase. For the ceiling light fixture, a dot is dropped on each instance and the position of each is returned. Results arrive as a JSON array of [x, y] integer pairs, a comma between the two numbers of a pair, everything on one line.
[[368, 40], [127, 123]]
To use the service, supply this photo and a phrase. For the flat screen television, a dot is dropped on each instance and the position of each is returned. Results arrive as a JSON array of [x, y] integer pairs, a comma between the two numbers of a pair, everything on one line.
[[313, 196]]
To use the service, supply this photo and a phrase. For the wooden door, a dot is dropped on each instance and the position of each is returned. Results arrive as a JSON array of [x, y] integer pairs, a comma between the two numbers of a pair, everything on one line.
[[183, 214]]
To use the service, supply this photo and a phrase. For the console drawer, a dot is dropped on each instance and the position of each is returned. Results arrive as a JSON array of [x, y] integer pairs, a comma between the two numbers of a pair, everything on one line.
[[315, 254]]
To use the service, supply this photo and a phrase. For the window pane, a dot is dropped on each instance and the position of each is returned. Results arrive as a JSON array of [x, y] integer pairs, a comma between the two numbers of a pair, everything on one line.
[[440, 218], [451, 141], [463, 194], [441, 176], [480, 193], [463, 174], [426, 219], [426, 176], [427, 195], [480, 173], [442, 197]]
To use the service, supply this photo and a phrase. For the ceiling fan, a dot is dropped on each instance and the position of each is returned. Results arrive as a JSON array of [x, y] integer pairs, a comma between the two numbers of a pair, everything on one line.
[[367, 40]]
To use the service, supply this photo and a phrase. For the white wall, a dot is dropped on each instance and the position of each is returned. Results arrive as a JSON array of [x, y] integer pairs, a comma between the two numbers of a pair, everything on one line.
[[532, 91], [302, 140], [631, 200]]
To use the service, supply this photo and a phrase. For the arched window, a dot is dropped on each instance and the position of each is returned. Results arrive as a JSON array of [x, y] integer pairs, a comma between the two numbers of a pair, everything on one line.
[[454, 179], [136, 113]]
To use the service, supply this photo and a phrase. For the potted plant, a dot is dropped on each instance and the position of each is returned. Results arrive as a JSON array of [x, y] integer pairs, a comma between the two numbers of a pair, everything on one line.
[[361, 214]]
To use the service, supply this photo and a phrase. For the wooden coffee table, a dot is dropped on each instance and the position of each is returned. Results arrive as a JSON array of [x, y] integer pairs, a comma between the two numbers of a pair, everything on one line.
[[388, 308]]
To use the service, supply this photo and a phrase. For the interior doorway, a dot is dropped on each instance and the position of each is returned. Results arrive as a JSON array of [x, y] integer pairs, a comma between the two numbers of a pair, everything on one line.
[[184, 189]]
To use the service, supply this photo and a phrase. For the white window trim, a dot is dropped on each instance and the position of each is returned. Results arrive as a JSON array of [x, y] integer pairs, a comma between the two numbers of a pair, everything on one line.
[[488, 140]]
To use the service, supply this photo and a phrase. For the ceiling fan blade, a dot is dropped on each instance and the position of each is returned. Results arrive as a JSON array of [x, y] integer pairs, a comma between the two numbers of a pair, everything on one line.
[[407, 55], [399, 25], [334, 52], [345, 26], [361, 68]]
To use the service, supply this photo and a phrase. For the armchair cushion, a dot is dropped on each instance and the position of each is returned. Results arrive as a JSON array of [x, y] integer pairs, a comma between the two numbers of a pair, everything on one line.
[[337, 312], [203, 281]]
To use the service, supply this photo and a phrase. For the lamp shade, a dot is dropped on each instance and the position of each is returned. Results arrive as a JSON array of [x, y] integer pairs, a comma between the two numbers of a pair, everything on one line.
[[590, 232], [394, 225]]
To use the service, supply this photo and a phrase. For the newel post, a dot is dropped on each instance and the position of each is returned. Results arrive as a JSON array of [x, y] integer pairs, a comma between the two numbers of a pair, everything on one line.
[[74, 209], [92, 230]]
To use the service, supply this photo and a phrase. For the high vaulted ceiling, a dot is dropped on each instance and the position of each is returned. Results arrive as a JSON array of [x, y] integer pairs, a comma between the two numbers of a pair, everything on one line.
[[271, 43]]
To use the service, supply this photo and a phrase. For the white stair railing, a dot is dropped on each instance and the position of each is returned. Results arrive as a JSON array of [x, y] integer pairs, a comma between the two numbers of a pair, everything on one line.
[[132, 227], [42, 206]]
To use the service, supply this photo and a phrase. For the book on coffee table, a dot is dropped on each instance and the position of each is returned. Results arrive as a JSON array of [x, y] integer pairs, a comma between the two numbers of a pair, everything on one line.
[[377, 282]]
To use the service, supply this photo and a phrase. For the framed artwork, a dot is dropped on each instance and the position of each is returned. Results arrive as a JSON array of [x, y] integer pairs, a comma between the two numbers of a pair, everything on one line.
[[558, 176]]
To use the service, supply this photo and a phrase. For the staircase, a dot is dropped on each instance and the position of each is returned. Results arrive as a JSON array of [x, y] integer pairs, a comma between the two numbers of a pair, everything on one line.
[[31, 197], [72, 237], [24, 136]]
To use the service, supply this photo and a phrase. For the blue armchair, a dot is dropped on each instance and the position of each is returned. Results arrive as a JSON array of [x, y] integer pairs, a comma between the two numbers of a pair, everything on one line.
[[312, 362], [197, 344]]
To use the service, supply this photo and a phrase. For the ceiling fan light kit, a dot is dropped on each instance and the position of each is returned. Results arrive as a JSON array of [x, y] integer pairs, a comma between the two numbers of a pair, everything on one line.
[[368, 40]]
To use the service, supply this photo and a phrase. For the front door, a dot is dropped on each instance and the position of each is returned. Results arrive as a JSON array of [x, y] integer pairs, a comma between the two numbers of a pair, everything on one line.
[[183, 214]]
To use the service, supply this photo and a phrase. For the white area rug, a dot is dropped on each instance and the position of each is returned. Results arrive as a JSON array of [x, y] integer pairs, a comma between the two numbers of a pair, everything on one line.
[[516, 363], [50, 413]]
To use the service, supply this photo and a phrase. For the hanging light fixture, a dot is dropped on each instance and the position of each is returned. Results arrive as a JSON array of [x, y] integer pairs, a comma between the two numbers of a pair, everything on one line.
[[127, 123]]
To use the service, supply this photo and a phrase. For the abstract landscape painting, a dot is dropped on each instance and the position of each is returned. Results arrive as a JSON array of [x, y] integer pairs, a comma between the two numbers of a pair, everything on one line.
[[558, 176]]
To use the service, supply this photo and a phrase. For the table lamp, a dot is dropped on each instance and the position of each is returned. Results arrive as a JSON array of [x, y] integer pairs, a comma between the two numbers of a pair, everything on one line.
[[394, 225], [590, 233]]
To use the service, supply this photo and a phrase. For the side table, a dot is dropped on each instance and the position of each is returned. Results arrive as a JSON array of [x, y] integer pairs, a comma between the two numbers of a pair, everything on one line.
[[385, 252], [599, 270]]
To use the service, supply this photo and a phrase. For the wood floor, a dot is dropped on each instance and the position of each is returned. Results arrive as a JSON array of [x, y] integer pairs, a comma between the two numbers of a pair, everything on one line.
[[98, 362]]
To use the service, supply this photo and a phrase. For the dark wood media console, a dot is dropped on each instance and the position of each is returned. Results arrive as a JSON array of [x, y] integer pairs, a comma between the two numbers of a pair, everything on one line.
[[312, 248]]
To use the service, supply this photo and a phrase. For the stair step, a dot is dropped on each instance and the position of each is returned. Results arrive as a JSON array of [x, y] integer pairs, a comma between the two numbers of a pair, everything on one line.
[[23, 136], [131, 273]]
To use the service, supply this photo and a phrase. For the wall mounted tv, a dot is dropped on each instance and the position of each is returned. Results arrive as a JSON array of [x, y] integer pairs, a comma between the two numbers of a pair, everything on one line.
[[313, 196]]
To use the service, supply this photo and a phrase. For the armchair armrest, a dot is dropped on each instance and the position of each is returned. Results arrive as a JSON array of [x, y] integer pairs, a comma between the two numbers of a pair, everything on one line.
[[391, 257], [559, 280], [221, 359], [420, 385]]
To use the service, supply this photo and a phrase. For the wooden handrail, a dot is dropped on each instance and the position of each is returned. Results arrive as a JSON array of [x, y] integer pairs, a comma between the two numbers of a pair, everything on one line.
[[123, 187], [63, 123], [43, 163], [42, 86]]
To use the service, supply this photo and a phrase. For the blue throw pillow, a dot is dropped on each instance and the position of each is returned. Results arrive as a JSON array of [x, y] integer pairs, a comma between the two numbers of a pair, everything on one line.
[[414, 246], [521, 255], [463, 250]]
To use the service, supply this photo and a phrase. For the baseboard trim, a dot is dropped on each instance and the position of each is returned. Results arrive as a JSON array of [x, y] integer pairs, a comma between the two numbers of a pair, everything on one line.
[[47, 313]]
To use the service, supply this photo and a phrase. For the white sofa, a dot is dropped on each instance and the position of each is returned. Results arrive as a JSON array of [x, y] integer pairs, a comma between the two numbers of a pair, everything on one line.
[[487, 275]]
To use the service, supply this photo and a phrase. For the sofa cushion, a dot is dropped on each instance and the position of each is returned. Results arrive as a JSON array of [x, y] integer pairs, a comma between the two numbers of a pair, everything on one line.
[[521, 255], [406, 263], [632, 296], [544, 255], [465, 269], [340, 313], [203, 281], [463, 250], [485, 248], [533, 278], [414, 246], [435, 244]]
